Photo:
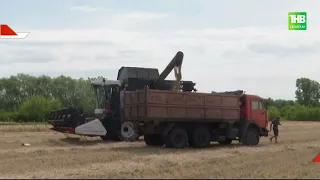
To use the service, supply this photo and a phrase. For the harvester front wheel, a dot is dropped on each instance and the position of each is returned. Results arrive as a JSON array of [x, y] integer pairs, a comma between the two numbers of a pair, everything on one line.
[[177, 138], [105, 138], [110, 137], [153, 140], [129, 132]]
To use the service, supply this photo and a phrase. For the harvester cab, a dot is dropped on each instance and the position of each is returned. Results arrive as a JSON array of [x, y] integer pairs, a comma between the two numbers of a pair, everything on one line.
[[107, 99]]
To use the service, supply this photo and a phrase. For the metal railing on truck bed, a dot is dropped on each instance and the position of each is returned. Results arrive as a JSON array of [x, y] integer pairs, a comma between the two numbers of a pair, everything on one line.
[[148, 104]]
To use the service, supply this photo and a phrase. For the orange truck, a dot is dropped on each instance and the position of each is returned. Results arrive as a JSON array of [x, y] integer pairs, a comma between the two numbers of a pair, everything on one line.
[[180, 119]]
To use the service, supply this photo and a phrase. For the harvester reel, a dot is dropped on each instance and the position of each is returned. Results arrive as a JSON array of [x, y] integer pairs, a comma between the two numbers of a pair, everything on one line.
[[128, 131]]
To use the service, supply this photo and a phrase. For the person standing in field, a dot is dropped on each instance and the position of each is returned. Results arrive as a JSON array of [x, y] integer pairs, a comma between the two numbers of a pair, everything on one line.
[[274, 126]]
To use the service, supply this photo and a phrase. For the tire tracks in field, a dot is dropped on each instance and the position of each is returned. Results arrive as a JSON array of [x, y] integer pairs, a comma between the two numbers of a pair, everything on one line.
[[44, 160], [137, 147], [23, 128], [167, 164], [51, 157]]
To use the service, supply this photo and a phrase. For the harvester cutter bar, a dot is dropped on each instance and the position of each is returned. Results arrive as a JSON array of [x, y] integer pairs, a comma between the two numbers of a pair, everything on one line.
[[64, 130], [84, 137]]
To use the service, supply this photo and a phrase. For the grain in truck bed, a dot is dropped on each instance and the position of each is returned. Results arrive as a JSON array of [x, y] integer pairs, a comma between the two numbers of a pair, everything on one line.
[[148, 104]]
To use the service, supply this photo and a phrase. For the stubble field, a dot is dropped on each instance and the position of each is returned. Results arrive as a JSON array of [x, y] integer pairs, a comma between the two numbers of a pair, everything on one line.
[[51, 155]]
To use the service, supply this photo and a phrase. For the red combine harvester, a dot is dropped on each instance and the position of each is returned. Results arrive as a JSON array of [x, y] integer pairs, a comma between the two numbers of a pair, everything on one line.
[[107, 121]]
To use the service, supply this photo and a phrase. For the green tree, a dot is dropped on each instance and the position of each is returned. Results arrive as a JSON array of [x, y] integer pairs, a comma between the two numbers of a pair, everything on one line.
[[37, 108], [273, 112], [30, 98], [308, 92], [17, 91]]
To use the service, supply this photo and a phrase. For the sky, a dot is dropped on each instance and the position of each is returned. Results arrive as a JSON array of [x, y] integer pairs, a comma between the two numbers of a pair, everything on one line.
[[227, 45]]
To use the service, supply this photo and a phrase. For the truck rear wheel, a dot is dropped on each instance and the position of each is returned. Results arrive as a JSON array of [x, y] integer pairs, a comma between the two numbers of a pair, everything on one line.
[[177, 138], [252, 137], [153, 140], [200, 137]]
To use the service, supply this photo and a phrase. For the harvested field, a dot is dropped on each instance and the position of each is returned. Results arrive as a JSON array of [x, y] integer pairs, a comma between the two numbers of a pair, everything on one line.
[[51, 155]]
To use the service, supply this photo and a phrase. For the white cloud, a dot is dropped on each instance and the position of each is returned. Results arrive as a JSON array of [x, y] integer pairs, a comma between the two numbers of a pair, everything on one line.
[[127, 20], [145, 15], [216, 59], [84, 8]]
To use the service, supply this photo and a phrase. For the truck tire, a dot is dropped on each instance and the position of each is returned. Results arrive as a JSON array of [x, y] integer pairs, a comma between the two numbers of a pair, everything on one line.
[[252, 137], [177, 138], [227, 141], [153, 140], [200, 137]]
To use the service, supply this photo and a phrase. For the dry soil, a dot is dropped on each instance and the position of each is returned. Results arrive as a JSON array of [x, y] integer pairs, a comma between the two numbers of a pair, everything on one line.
[[51, 155]]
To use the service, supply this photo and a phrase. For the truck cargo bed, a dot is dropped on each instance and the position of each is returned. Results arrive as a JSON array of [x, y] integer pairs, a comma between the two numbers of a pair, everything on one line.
[[148, 104]]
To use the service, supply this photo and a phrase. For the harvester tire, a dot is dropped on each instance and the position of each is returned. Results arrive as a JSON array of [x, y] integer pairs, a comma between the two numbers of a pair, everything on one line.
[[177, 138], [110, 137], [252, 137], [105, 138], [128, 132], [153, 140], [200, 137], [227, 141], [130, 139]]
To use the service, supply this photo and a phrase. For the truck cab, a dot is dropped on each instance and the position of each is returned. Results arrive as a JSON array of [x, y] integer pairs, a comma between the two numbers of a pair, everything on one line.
[[253, 109]]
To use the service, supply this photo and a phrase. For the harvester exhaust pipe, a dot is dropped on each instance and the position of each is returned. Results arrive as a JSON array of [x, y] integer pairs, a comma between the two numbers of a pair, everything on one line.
[[175, 64]]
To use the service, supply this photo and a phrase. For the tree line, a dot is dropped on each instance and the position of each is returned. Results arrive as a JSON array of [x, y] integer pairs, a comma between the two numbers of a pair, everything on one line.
[[306, 106], [30, 98]]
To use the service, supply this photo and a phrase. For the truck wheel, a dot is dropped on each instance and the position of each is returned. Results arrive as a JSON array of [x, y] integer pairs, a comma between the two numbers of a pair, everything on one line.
[[153, 140], [176, 138], [252, 137], [200, 137], [227, 141]]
